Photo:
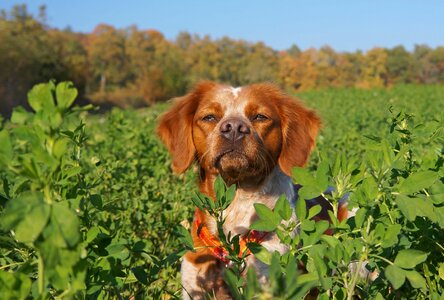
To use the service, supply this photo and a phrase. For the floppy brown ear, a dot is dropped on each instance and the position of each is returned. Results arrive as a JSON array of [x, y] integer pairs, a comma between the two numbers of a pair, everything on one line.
[[300, 127], [175, 127]]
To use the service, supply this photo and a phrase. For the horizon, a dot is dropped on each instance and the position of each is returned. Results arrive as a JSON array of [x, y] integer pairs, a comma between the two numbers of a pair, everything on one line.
[[341, 26]]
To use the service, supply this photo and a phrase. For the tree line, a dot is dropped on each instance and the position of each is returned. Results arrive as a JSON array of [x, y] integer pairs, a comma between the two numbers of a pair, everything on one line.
[[134, 67]]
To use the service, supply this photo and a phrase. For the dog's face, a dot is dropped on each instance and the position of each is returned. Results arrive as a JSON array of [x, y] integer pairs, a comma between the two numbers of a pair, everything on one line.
[[240, 133]]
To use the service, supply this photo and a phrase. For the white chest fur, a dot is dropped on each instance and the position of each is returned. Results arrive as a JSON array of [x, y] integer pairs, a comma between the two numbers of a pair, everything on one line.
[[241, 212]]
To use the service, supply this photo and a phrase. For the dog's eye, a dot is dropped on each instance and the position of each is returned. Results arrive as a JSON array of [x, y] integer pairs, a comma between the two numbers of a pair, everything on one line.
[[260, 117], [209, 118]]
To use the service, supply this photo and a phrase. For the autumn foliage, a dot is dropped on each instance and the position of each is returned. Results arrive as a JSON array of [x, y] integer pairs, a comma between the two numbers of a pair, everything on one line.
[[133, 67]]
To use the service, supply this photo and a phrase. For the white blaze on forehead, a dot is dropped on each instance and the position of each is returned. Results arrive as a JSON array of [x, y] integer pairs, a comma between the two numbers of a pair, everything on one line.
[[236, 91], [231, 103]]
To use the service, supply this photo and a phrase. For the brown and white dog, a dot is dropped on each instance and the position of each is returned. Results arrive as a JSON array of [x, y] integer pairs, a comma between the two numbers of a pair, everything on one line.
[[252, 136]]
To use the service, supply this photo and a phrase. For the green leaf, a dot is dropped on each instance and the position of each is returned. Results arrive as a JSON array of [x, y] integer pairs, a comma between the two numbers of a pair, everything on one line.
[[6, 148], [416, 280], [66, 93], [33, 223], [27, 215], [303, 177], [379, 297], [395, 275], [185, 237], [391, 235], [301, 209], [92, 233], [369, 188], [219, 188], [268, 220], [330, 240], [360, 217], [140, 274], [441, 271], [55, 118], [260, 252], [252, 287], [308, 225], [304, 283], [426, 209], [316, 255], [14, 285], [283, 208], [59, 147], [407, 206], [40, 97], [308, 192], [322, 174], [19, 115], [96, 200], [93, 289], [314, 211], [233, 283], [197, 200], [291, 270], [229, 196], [68, 223], [117, 250], [418, 181], [409, 258]]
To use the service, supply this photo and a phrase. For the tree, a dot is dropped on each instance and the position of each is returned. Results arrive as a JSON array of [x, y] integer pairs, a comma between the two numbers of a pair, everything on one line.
[[106, 54], [261, 64], [27, 56], [373, 69], [399, 66]]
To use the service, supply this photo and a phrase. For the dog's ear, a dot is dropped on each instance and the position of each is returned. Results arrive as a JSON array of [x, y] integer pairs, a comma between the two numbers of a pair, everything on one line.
[[175, 127], [300, 127]]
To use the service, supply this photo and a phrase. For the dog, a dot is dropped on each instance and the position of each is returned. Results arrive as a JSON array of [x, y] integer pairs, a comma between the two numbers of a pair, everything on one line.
[[252, 136]]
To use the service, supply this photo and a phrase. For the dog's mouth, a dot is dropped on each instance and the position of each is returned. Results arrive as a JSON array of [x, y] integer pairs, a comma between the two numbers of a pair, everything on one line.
[[218, 157], [232, 163]]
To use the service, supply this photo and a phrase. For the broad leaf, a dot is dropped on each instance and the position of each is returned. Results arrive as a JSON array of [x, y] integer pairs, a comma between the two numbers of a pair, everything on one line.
[[68, 223], [33, 223], [27, 214], [283, 208], [314, 211], [66, 93], [303, 177], [5, 148], [301, 209], [395, 275], [416, 280], [407, 206], [268, 219], [140, 274], [418, 181], [260, 252], [185, 237], [409, 258], [40, 97]]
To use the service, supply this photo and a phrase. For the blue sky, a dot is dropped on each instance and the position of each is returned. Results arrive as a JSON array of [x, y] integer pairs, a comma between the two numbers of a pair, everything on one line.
[[345, 25]]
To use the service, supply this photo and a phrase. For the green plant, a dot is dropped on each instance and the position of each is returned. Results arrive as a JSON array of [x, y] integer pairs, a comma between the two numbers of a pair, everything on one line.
[[74, 222], [397, 232], [44, 188], [98, 189]]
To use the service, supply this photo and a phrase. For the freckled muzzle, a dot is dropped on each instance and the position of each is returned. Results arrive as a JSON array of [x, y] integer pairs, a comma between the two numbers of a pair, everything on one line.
[[231, 142], [238, 150]]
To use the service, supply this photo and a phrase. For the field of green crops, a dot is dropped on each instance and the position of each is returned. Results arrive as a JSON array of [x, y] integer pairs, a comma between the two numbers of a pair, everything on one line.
[[89, 207]]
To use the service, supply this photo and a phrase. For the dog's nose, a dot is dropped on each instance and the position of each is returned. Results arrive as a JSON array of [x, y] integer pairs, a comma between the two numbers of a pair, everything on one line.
[[234, 129]]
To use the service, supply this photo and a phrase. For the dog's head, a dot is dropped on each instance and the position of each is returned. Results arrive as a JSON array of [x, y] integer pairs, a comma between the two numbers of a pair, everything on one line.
[[240, 133]]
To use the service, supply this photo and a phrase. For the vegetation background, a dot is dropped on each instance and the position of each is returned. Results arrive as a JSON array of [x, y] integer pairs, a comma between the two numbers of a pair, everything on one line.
[[132, 67], [89, 207]]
